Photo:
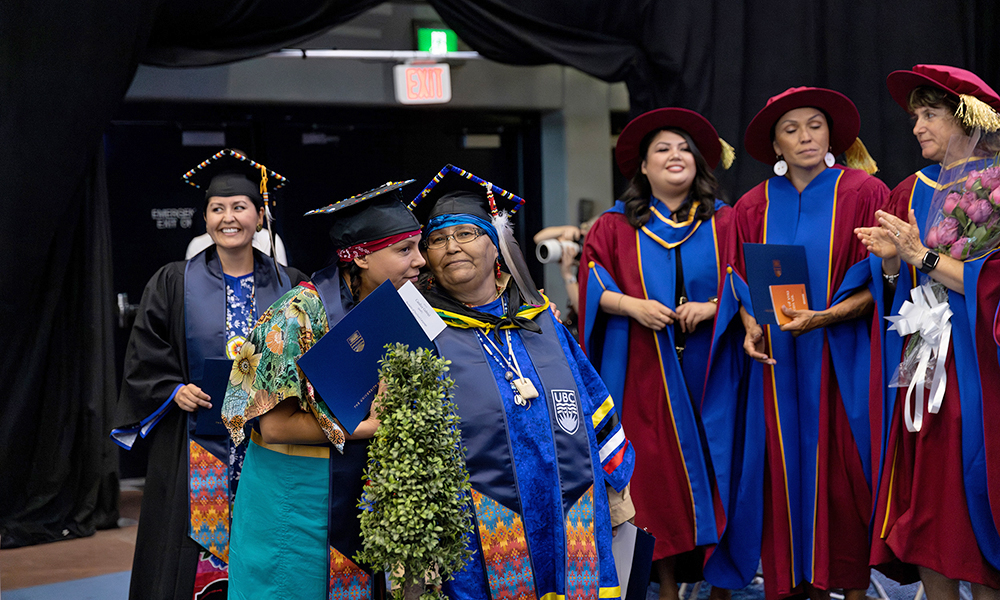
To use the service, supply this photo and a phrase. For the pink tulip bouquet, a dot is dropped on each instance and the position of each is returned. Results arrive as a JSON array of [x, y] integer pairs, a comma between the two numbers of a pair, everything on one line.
[[966, 224]]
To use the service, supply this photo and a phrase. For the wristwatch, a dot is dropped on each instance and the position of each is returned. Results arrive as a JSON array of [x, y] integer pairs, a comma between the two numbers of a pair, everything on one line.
[[930, 262]]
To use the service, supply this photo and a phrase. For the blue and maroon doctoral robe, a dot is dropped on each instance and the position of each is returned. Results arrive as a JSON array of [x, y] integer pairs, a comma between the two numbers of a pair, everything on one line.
[[937, 499], [660, 396], [817, 468]]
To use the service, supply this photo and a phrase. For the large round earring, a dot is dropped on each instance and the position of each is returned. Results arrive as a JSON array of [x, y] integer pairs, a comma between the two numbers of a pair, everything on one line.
[[780, 167], [259, 227], [830, 159]]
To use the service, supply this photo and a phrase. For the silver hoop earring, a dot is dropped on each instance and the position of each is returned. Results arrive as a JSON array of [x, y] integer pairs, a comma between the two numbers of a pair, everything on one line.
[[780, 167], [830, 159]]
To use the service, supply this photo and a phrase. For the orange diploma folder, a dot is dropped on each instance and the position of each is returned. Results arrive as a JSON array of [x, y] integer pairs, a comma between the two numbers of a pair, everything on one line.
[[792, 295]]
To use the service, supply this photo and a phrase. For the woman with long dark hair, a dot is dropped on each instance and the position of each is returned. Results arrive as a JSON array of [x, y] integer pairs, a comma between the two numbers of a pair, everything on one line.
[[649, 279]]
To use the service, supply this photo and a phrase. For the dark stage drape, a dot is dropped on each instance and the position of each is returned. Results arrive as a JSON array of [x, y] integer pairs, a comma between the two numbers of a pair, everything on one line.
[[725, 58], [65, 66], [64, 69]]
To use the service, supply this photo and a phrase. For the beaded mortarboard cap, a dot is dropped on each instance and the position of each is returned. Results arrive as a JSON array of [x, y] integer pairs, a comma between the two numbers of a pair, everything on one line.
[[229, 172], [457, 191], [376, 214], [452, 181]]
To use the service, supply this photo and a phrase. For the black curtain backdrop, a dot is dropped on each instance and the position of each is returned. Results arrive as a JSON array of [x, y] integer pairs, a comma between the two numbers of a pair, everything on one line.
[[65, 66], [725, 58]]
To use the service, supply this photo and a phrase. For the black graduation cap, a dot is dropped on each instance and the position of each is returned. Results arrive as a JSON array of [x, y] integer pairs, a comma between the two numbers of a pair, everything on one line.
[[231, 173], [373, 215], [457, 191]]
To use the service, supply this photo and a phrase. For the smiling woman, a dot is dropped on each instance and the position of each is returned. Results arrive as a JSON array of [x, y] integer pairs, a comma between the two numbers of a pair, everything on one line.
[[192, 311], [231, 222], [649, 276], [303, 475]]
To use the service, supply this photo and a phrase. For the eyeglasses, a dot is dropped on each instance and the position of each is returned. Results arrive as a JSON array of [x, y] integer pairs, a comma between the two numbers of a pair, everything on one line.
[[436, 241]]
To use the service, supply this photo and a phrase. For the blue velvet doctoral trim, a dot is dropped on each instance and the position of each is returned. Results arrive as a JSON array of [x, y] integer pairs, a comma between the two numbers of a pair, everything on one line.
[[603, 330], [735, 416], [969, 388], [606, 331], [892, 343], [695, 241], [850, 350]]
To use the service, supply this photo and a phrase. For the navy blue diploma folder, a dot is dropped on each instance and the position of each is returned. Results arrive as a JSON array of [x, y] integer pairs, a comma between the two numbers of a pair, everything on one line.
[[214, 379], [343, 365], [773, 265]]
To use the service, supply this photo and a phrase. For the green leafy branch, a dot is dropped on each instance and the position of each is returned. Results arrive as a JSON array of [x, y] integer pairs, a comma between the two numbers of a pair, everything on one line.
[[416, 505]]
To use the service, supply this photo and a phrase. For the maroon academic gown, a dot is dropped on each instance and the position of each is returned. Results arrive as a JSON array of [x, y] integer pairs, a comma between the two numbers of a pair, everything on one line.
[[835, 548], [659, 489], [921, 512]]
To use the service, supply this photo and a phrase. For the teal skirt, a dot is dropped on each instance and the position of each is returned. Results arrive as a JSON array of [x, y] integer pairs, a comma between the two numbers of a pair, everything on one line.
[[278, 541]]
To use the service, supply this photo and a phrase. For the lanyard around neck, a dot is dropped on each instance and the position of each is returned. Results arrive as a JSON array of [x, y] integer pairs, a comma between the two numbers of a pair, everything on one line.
[[524, 390]]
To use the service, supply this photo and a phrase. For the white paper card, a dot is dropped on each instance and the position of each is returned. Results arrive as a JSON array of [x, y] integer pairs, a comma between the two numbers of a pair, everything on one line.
[[429, 320], [623, 548]]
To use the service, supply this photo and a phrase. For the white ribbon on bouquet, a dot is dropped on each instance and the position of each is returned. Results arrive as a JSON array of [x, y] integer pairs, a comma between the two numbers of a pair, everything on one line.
[[931, 318]]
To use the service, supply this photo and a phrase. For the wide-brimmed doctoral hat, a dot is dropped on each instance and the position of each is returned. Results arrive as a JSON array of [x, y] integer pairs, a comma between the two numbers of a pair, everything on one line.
[[978, 104], [627, 150], [844, 128], [950, 79]]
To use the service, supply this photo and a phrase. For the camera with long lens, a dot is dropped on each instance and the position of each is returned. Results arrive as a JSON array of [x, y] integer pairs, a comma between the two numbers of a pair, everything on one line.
[[551, 251]]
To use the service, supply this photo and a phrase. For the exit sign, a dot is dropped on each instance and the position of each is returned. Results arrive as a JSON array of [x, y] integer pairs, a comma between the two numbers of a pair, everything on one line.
[[422, 84], [436, 41]]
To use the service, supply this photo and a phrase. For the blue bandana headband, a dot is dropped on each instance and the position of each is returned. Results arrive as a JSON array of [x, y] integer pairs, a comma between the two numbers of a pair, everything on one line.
[[442, 221]]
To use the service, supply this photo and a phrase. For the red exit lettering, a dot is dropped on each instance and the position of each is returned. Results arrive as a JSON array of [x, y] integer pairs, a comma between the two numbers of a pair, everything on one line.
[[424, 83]]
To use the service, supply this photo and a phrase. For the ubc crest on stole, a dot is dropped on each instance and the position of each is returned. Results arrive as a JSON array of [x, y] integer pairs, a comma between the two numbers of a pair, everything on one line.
[[567, 410]]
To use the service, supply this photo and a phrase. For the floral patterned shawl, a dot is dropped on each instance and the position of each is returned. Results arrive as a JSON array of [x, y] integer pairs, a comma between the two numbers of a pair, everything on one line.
[[265, 370]]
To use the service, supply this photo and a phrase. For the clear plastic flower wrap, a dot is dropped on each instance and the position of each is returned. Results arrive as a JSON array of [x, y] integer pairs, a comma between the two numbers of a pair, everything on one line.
[[964, 218]]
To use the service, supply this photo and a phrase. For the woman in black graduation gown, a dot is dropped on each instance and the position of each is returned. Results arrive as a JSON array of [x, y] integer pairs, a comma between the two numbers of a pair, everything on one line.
[[192, 311]]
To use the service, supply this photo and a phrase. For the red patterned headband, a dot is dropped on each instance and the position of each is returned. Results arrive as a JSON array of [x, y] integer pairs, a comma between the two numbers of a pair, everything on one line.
[[365, 248]]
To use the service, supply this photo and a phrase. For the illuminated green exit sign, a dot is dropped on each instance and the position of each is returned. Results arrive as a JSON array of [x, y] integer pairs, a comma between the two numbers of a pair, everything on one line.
[[436, 41]]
